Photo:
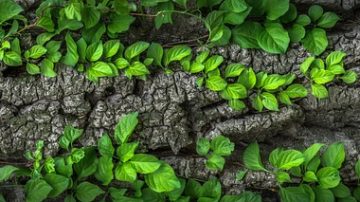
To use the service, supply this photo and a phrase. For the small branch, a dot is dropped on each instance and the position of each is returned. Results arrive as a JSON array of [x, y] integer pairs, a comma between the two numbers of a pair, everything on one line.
[[186, 41]]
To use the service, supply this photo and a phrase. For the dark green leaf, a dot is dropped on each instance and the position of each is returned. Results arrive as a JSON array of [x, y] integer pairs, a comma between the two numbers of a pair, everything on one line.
[[86, 192], [334, 155], [274, 38], [37, 190], [58, 183], [104, 170], [329, 177]]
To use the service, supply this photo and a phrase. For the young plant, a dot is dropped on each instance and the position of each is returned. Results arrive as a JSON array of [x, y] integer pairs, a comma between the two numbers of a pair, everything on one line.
[[215, 151]]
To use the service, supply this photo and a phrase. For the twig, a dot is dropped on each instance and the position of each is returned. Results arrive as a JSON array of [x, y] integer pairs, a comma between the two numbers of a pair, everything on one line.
[[186, 41]]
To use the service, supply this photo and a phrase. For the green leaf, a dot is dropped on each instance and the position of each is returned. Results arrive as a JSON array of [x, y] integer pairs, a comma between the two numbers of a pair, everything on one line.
[[105, 146], [202, 56], [357, 168], [62, 168], [58, 183], [329, 177], [296, 91], [104, 170], [323, 194], [176, 53], [120, 23], [8, 10], [284, 98], [216, 83], [240, 174], [202, 146], [208, 3], [125, 172], [319, 91], [273, 82], [315, 41], [236, 18], [274, 38], [282, 177], [42, 38], [72, 57], [314, 164], [73, 11], [236, 91], [111, 47], [152, 196], [47, 68], [35, 52], [127, 150], [290, 15], [222, 146], [310, 176], [87, 191], [94, 51], [99, 69], [236, 6], [145, 163], [164, 11], [292, 194], [6, 172], [11, 58], [82, 46], [32, 68], [163, 179], [193, 188], [252, 159], [15, 46], [213, 62], [303, 20], [196, 67], [315, 12], [276, 8], [341, 191], [215, 162], [137, 69], [349, 77], [334, 155], [121, 63], [334, 58], [356, 193], [126, 127], [328, 20], [311, 152], [246, 196], [90, 16], [69, 136], [176, 194], [304, 67], [37, 190], [269, 101], [234, 70], [247, 78], [286, 159], [246, 34], [236, 105], [296, 33], [136, 49], [87, 165], [156, 52]]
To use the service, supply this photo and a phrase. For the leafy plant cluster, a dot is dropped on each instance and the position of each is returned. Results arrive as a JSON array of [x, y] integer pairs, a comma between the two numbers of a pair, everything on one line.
[[309, 175]]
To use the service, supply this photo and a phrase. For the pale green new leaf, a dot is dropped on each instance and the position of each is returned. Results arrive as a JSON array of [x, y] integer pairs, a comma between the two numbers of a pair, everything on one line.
[[163, 180], [136, 49], [176, 53], [252, 159], [216, 83], [126, 127], [145, 163]]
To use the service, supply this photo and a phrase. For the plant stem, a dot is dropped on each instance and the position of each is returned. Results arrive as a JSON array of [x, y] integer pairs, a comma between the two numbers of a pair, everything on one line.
[[186, 41]]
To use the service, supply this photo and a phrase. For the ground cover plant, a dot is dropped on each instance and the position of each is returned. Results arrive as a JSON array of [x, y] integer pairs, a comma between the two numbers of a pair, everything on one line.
[[87, 36]]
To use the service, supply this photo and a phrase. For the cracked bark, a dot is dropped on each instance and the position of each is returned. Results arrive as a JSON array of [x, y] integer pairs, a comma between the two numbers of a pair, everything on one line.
[[174, 113]]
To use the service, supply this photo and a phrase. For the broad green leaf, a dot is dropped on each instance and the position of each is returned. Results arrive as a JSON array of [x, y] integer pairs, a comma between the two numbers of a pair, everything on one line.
[[329, 177], [321, 76], [292, 194], [236, 6], [104, 170], [236, 18], [282, 177], [62, 168], [8, 10], [357, 168], [126, 127], [274, 38], [202, 56], [176, 194], [32, 68], [47, 68], [290, 15], [247, 78], [15, 46], [356, 193], [164, 12], [349, 77], [328, 20], [196, 67], [246, 196], [236, 105], [276, 8], [215, 162], [86, 192], [256, 103], [58, 183], [41, 39], [126, 151], [216, 83], [213, 62], [296, 33], [334, 155], [72, 57], [246, 34], [145, 163], [69, 136], [73, 11], [319, 91], [314, 164], [88, 165], [315, 41], [296, 91], [193, 189], [236, 91], [94, 51], [222, 146], [284, 98], [37, 190], [119, 23], [125, 172], [269, 101], [288, 159], [99, 69], [46, 23], [202, 146], [310, 176], [315, 12], [252, 159], [273, 82], [11, 58], [304, 67], [176, 53], [152, 196], [137, 69], [90, 16], [35, 52], [336, 69], [323, 194], [303, 20], [163, 179], [234, 70], [6, 172], [116, 194], [212, 189], [311, 152], [341, 191], [105, 146], [111, 48], [82, 46], [156, 52], [136, 49], [121, 63]]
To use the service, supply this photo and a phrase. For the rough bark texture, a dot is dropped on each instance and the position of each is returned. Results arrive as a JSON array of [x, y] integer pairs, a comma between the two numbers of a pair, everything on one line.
[[174, 113]]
